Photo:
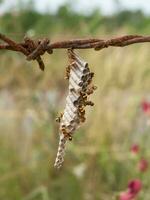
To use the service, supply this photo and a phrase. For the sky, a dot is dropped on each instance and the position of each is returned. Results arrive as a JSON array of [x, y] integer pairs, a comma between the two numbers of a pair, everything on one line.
[[86, 6]]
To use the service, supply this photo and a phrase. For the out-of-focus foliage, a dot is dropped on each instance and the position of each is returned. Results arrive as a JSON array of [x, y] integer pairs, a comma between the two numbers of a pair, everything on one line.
[[25, 18], [98, 164]]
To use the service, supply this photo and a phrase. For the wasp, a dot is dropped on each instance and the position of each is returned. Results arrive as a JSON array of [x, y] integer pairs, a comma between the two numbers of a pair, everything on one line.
[[81, 113], [58, 119], [89, 103], [94, 87], [63, 129], [82, 119], [83, 97], [81, 110], [67, 75], [91, 75], [91, 89], [69, 137], [65, 133]]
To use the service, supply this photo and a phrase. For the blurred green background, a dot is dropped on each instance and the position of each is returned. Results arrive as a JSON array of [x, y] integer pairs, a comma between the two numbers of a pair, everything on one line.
[[98, 163]]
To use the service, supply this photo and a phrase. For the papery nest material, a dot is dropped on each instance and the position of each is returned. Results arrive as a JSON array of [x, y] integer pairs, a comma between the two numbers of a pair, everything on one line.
[[79, 78]]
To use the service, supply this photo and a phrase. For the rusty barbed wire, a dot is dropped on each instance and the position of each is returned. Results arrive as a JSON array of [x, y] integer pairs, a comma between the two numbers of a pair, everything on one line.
[[34, 49]]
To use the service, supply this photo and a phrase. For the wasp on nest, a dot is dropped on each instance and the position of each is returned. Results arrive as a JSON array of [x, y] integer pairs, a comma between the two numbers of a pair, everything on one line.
[[80, 86]]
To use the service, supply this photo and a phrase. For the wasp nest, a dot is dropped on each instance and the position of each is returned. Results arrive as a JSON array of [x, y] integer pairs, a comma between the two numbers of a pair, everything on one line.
[[80, 86]]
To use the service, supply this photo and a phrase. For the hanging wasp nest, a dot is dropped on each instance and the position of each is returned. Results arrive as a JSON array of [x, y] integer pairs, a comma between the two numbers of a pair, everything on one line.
[[80, 86]]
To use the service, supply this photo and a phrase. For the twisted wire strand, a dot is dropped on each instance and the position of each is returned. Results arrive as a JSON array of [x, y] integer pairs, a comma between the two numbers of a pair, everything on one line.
[[44, 45]]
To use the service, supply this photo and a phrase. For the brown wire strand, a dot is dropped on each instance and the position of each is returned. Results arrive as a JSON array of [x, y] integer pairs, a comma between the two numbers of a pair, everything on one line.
[[34, 49]]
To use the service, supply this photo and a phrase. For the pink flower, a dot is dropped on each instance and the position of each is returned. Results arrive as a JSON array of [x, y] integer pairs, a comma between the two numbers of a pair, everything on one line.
[[143, 165], [134, 186], [145, 106], [135, 148], [126, 196]]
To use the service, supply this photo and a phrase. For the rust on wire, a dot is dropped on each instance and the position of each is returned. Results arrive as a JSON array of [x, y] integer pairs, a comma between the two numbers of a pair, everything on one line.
[[34, 49]]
